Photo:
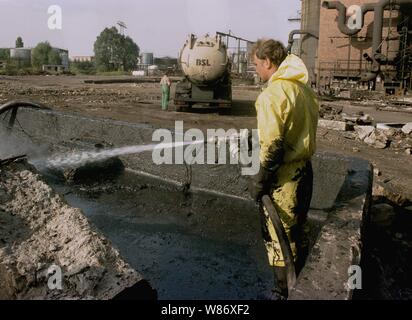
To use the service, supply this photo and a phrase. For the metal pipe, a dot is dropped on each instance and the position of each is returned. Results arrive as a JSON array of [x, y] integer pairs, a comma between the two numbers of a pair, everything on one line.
[[293, 33], [341, 17], [368, 76], [379, 9]]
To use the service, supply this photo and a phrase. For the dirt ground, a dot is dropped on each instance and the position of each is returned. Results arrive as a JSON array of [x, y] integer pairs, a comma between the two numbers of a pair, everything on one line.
[[133, 102]]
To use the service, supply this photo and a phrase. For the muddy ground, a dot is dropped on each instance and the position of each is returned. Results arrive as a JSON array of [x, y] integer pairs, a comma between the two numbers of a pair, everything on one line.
[[133, 102]]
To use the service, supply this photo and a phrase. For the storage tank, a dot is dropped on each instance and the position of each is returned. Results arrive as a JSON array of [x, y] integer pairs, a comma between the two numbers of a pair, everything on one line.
[[147, 58], [23, 54], [204, 60], [152, 70], [206, 66]]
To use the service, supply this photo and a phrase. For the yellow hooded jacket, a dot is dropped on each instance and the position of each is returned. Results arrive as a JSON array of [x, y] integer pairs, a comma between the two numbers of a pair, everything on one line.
[[287, 115]]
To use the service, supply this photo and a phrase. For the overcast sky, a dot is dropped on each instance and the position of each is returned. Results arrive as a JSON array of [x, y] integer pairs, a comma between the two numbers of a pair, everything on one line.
[[159, 26]]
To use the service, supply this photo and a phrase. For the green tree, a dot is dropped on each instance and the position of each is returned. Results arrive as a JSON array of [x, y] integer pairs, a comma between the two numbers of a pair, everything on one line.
[[83, 67], [53, 57], [43, 53], [4, 54], [131, 54], [19, 43], [40, 54], [115, 52]]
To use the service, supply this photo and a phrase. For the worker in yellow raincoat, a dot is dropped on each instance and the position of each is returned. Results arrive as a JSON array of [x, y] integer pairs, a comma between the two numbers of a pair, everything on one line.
[[287, 116]]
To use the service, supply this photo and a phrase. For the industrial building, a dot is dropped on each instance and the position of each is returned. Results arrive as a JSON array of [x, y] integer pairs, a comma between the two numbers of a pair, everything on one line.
[[82, 58], [23, 57], [20, 53], [64, 56], [374, 51]]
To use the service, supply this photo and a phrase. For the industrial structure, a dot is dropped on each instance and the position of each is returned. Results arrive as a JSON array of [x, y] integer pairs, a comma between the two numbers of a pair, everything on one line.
[[64, 56], [239, 52], [82, 58], [355, 43], [23, 57], [145, 61]]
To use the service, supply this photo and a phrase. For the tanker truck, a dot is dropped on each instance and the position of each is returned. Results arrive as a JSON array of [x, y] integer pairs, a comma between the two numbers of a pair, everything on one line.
[[206, 67]]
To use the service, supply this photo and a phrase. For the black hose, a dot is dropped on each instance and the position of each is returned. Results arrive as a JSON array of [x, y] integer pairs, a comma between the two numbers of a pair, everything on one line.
[[20, 103]]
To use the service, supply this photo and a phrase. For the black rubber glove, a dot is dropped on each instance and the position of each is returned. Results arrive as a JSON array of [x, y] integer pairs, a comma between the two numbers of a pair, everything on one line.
[[261, 183]]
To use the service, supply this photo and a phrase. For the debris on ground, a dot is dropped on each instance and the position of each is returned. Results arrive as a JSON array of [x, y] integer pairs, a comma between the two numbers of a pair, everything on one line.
[[41, 236], [407, 128]]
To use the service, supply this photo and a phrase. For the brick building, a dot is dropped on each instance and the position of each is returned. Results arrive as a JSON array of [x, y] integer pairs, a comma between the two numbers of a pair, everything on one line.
[[334, 57]]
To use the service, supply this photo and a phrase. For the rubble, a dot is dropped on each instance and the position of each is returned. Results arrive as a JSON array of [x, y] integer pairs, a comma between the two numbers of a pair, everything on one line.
[[387, 191], [334, 125], [377, 140], [330, 112], [364, 131], [407, 128], [384, 137], [373, 137], [334, 113], [39, 231], [377, 172], [360, 119]]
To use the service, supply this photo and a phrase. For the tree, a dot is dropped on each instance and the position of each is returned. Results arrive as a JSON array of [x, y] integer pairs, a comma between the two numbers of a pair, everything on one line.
[[40, 54], [83, 67], [19, 43], [114, 51], [131, 54], [53, 57], [4, 54], [43, 54]]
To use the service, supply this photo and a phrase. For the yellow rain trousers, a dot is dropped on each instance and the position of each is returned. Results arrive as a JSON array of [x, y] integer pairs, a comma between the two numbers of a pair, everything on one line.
[[287, 116]]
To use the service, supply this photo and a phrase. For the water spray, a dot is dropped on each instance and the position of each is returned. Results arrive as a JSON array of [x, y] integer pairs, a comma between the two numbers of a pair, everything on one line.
[[77, 159]]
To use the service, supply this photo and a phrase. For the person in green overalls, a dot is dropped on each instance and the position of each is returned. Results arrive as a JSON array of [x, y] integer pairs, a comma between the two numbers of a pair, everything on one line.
[[165, 83]]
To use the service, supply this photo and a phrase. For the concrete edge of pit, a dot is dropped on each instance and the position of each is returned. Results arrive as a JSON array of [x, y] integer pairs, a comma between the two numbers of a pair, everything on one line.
[[327, 272]]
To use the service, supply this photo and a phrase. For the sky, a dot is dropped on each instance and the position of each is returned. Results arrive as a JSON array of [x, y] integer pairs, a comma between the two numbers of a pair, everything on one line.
[[158, 26]]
